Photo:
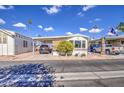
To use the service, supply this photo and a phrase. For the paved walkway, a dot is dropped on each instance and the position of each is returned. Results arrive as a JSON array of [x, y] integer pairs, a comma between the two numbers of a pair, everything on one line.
[[89, 75]]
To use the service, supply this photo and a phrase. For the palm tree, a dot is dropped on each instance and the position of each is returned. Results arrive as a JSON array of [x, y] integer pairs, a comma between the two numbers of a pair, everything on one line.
[[102, 41], [120, 27], [30, 22]]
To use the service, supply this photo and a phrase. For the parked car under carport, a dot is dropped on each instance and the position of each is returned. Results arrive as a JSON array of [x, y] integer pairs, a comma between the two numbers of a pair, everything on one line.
[[45, 49]]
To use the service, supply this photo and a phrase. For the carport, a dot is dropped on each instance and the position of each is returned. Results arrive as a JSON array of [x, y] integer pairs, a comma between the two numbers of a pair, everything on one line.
[[114, 40], [79, 41]]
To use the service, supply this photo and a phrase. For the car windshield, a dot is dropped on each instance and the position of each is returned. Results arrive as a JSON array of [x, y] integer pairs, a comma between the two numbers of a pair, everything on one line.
[[44, 45], [108, 45]]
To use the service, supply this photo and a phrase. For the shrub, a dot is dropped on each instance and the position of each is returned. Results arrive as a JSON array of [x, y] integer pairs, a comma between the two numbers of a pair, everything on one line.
[[76, 54], [65, 47], [69, 53], [83, 54]]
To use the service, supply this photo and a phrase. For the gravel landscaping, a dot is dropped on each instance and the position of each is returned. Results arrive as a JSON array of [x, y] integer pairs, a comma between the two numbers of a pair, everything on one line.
[[27, 75]]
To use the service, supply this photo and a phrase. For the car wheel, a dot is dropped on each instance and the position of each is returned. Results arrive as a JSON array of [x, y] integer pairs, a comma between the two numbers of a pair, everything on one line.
[[117, 53], [108, 52], [39, 52], [94, 51]]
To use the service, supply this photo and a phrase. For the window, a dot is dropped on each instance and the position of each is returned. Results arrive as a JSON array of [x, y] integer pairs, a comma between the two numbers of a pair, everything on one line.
[[4, 39], [25, 43], [83, 44], [109, 45], [122, 42], [77, 44], [109, 42]]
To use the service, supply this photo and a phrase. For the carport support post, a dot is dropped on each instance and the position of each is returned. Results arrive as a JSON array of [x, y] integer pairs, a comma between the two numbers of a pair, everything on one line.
[[103, 46], [33, 48]]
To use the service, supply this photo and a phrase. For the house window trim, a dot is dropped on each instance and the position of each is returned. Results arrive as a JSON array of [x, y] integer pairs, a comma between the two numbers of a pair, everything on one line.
[[3, 37], [81, 44], [121, 42], [25, 44]]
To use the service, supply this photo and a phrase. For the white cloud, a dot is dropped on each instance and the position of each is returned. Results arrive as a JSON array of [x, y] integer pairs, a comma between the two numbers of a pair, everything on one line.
[[47, 29], [40, 26], [52, 10], [80, 14], [90, 21], [83, 29], [69, 33], [116, 30], [95, 30], [2, 21], [95, 20], [87, 7], [2, 7], [20, 25], [110, 34]]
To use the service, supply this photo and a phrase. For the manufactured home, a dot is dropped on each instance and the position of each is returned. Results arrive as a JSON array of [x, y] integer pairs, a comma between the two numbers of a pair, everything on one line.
[[79, 41], [12, 43], [113, 40]]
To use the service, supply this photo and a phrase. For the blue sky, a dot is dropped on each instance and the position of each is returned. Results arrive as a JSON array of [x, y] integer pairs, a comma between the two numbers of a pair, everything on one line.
[[61, 20]]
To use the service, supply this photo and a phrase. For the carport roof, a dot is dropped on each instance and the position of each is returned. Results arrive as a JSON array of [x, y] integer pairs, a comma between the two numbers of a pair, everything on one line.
[[57, 37], [110, 38], [11, 33], [116, 37]]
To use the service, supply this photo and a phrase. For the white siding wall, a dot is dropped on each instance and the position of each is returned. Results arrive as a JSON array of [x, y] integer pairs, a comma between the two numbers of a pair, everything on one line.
[[7, 49], [80, 50], [14, 45], [3, 49], [11, 46], [19, 45]]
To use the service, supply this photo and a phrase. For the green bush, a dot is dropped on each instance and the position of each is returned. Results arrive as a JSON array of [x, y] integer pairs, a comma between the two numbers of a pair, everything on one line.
[[65, 47], [83, 55]]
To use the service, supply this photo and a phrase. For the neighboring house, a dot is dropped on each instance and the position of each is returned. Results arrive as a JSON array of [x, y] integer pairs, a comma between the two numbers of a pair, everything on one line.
[[113, 40], [79, 41], [12, 43]]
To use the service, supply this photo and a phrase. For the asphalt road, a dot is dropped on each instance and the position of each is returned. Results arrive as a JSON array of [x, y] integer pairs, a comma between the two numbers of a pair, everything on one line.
[[74, 65], [115, 82], [82, 66], [86, 66]]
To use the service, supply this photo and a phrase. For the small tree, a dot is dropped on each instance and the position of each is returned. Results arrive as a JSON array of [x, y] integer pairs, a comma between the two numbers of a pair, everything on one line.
[[65, 47]]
